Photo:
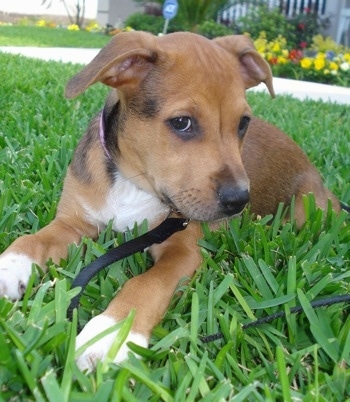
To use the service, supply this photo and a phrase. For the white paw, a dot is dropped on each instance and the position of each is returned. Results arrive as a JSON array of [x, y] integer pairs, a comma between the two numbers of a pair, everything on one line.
[[99, 350], [15, 270]]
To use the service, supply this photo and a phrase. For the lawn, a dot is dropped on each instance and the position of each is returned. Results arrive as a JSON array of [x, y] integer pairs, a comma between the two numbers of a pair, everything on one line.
[[250, 270], [18, 35]]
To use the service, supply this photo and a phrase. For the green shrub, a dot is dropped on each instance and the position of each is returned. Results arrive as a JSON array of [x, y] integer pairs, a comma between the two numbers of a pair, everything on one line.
[[193, 15], [194, 12], [261, 19], [212, 29], [153, 23], [145, 22], [305, 27]]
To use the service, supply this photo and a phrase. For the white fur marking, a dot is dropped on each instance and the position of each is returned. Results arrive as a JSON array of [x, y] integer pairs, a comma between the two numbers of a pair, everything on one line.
[[99, 350], [126, 204], [15, 270]]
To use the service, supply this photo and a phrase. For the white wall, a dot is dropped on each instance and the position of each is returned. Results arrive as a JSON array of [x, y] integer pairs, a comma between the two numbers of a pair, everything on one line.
[[34, 7], [115, 12]]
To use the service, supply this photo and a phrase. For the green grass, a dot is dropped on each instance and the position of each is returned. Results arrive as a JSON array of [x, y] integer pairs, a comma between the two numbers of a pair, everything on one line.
[[250, 270], [18, 35]]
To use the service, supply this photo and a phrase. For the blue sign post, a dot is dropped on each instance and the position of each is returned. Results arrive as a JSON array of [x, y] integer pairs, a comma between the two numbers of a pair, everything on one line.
[[170, 8]]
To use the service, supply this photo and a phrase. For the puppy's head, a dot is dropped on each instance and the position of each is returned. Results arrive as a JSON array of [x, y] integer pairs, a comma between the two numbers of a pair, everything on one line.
[[183, 115]]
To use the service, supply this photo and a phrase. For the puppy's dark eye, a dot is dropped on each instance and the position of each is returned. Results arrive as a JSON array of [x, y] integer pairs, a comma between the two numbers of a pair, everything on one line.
[[181, 124], [243, 126]]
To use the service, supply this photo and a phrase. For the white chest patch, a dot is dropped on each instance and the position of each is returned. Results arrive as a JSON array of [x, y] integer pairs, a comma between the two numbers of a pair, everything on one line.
[[126, 204]]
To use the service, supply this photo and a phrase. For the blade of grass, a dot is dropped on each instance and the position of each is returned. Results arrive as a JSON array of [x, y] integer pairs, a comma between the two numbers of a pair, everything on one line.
[[66, 382], [141, 375], [29, 378], [242, 301], [119, 340], [52, 389], [199, 383], [319, 329], [282, 374]]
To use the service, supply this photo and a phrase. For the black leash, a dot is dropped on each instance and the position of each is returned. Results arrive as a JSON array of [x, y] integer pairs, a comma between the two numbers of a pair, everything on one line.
[[345, 207], [294, 310], [154, 236]]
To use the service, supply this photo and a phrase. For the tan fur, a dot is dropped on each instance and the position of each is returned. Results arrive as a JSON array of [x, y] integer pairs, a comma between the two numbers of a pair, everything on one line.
[[150, 293], [189, 76], [278, 169]]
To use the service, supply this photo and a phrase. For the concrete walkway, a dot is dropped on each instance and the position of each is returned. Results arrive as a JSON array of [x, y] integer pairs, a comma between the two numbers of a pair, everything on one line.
[[298, 89]]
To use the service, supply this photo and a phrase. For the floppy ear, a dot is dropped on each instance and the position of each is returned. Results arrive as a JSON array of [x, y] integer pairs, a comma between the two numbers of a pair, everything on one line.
[[125, 60], [253, 67]]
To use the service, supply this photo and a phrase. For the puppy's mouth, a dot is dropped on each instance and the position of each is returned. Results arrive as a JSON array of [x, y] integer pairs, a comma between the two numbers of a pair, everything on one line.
[[191, 206], [170, 204]]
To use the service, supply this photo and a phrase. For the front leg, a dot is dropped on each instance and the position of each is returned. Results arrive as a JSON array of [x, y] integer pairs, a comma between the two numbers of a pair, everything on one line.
[[149, 294], [51, 242]]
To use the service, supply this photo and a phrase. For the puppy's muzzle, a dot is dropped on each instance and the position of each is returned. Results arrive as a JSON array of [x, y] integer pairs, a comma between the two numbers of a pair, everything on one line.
[[232, 198]]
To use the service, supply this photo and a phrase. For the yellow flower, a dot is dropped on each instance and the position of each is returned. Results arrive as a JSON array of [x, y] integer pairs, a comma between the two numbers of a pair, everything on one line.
[[321, 55], [276, 47], [261, 49], [93, 27], [306, 62], [260, 45], [281, 60], [319, 63], [333, 66], [347, 57], [73, 27], [40, 23]]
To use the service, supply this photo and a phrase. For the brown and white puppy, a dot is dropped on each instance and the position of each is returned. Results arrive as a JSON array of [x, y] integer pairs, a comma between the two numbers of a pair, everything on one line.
[[170, 136]]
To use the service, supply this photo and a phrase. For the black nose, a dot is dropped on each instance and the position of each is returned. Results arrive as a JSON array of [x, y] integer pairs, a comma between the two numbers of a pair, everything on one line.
[[232, 199]]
